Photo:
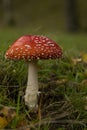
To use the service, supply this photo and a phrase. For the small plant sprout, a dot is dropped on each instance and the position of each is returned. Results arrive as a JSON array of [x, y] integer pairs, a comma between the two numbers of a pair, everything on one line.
[[31, 48]]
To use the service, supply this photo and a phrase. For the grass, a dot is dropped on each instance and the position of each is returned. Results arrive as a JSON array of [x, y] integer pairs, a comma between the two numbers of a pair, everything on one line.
[[71, 42], [62, 83]]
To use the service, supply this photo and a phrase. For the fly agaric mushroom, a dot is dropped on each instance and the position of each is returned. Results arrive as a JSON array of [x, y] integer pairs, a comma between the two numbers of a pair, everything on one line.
[[31, 48]]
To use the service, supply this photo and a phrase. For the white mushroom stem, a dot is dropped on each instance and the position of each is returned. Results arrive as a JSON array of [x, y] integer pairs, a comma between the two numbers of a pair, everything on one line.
[[31, 93]]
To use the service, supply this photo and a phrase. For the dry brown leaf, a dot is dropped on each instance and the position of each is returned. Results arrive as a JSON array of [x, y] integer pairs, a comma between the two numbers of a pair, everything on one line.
[[6, 116], [3, 122], [5, 110], [75, 61], [22, 125]]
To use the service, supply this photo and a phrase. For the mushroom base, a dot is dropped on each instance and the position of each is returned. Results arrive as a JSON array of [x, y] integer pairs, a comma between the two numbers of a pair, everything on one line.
[[31, 94]]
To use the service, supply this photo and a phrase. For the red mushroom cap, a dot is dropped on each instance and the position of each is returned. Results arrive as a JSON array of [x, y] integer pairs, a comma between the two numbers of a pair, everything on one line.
[[30, 47]]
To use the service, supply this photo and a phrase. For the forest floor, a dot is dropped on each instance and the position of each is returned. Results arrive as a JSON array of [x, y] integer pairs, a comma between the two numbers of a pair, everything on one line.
[[63, 86]]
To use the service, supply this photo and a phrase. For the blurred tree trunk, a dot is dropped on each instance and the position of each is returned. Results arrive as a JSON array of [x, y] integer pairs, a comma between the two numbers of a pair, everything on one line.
[[72, 16], [8, 12]]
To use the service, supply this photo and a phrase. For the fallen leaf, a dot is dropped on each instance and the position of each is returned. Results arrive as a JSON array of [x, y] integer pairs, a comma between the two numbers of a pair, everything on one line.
[[3, 122], [75, 61], [6, 116], [22, 125]]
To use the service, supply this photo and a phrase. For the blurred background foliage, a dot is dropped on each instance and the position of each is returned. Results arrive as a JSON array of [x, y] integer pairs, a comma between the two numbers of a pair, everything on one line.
[[54, 15]]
